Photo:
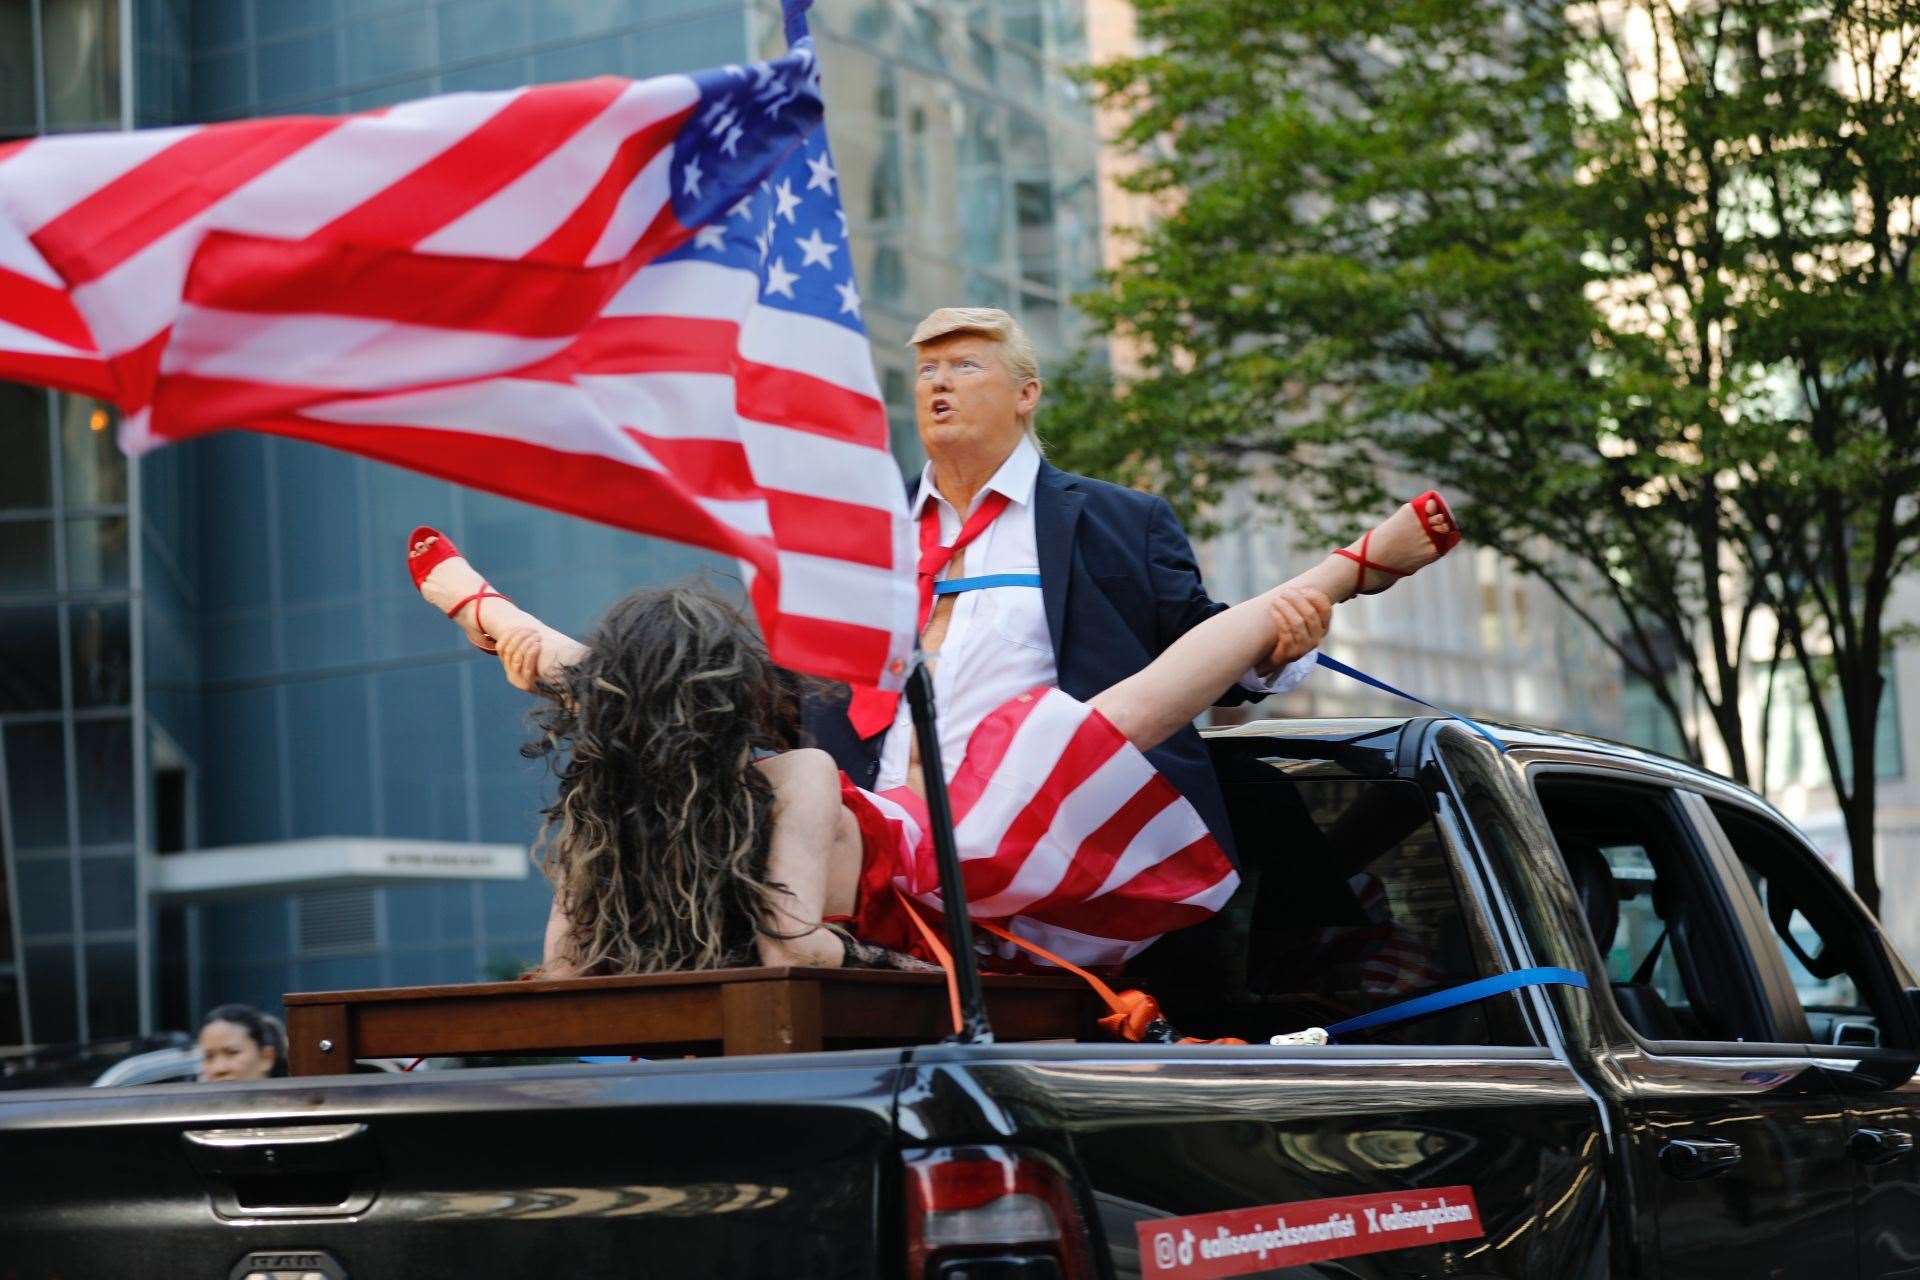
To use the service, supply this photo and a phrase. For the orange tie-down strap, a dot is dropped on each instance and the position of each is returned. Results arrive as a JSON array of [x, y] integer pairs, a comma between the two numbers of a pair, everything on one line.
[[1132, 1015]]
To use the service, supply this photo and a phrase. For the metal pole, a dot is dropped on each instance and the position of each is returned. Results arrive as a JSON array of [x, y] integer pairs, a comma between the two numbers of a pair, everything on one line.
[[953, 894]]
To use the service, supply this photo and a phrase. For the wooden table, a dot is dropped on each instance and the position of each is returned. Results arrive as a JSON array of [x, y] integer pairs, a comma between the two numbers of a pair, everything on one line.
[[731, 1011]]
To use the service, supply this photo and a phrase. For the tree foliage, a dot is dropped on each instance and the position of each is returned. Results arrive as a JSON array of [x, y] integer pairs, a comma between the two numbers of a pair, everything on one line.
[[1631, 280]]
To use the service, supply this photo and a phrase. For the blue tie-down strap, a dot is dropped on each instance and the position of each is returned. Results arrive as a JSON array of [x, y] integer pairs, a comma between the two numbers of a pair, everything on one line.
[[1453, 997], [954, 586], [1354, 673]]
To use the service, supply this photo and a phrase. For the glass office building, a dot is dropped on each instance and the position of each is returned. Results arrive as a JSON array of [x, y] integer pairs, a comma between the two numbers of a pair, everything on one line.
[[219, 649]]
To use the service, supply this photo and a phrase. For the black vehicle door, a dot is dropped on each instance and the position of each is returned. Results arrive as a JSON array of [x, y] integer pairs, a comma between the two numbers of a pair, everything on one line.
[[1849, 1001], [1736, 1138], [1454, 1145]]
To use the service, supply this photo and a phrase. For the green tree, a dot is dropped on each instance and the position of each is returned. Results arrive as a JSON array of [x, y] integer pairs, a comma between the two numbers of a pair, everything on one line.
[[1630, 281]]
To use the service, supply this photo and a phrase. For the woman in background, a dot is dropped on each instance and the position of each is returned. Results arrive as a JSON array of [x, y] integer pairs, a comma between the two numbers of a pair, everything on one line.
[[238, 1042]]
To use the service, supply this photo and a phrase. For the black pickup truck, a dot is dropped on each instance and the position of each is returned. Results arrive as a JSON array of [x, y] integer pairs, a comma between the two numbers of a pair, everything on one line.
[[1730, 1094]]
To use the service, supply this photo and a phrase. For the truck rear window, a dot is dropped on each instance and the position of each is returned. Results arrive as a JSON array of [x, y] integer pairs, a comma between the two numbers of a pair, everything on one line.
[[1349, 902]]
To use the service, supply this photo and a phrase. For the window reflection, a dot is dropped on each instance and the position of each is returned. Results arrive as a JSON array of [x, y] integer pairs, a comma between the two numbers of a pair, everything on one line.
[[96, 553], [113, 990], [1042, 317], [107, 892], [26, 555], [30, 675], [46, 893], [102, 654], [982, 183], [103, 770], [95, 471], [1033, 210], [36, 781], [80, 45], [920, 37], [27, 478], [16, 79], [50, 993], [930, 114]]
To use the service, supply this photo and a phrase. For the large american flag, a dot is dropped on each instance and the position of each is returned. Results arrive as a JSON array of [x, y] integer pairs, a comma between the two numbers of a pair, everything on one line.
[[629, 301], [1067, 835]]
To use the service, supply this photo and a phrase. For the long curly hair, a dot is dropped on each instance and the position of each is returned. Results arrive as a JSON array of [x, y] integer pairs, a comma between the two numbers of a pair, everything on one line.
[[657, 841]]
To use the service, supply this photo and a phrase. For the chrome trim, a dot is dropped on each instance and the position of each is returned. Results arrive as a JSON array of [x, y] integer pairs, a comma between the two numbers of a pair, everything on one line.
[[303, 1135]]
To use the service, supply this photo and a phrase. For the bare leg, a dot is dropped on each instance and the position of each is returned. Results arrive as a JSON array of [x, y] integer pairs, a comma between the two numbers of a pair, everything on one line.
[[1185, 680], [815, 855], [497, 619]]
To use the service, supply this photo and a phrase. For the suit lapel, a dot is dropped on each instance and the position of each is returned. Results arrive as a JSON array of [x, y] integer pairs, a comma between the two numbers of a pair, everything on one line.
[[1057, 500]]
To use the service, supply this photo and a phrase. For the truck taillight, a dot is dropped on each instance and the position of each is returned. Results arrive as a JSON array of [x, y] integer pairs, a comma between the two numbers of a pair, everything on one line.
[[992, 1213]]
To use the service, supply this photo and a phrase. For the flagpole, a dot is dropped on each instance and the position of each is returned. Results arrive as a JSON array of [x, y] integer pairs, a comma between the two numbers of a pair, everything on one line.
[[973, 1028]]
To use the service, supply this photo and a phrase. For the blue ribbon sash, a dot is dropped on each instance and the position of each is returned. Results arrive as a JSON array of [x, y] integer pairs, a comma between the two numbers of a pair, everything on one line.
[[954, 586], [1453, 997]]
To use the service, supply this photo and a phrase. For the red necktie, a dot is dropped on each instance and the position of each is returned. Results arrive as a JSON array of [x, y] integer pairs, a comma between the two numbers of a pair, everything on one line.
[[872, 710]]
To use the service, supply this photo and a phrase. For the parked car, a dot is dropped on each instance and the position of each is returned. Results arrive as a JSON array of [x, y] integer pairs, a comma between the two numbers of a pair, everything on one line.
[[1659, 1038], [156, 1066]]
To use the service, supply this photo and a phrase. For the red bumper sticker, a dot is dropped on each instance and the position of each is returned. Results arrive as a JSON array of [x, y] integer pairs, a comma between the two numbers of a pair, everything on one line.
[[1239, 1241]]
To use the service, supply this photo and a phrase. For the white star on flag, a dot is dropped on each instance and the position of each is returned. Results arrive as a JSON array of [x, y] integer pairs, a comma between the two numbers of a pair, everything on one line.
[[815, 251], [732, 140], [849, 297], [820, 173], [711, 236], [743, 208], [692, 177], [779, 279], [788, 201]]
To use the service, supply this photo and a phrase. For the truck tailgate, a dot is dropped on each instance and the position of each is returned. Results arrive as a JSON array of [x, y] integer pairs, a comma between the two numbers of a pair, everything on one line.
[[750, 1166]]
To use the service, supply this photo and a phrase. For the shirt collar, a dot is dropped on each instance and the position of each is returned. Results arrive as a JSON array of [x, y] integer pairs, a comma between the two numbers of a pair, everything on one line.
[[1015, 478]]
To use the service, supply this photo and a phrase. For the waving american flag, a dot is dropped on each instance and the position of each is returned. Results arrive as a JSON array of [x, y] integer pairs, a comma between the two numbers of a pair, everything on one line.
[[629, 301]]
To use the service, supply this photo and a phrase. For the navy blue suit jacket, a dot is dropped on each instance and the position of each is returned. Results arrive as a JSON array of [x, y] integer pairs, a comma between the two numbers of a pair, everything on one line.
[[1119, 583]]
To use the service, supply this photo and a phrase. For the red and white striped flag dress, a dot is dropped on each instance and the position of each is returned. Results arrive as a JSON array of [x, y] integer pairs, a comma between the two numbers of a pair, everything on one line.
[[628, 301], [1068, 837]]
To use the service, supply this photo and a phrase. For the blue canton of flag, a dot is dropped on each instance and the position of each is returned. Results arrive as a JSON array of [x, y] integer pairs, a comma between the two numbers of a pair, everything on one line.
[[790, 228]]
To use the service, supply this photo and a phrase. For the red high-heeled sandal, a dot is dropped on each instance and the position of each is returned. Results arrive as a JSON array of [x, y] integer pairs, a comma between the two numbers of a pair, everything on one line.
[[427, 548], [1443, 540]]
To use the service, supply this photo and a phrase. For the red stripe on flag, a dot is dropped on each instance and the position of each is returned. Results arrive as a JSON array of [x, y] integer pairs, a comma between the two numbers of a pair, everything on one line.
[[1101, 851], [822, 646], [64, 373], [712, 468], [824, 527], [655, 344], [280, 277], [1093, 743], [477, 167], [763, 392], [578, 484], [167, 190], [766, 393], [44, 309], [135, 371], [987, 746], [1130, 918], [575, 238]]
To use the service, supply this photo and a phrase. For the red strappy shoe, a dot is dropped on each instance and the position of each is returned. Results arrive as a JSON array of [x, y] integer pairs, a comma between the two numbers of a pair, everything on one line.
[[427, 548], [1443, 540]]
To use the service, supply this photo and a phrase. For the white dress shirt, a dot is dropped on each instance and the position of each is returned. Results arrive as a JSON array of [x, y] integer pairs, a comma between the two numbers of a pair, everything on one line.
[[997, 645]]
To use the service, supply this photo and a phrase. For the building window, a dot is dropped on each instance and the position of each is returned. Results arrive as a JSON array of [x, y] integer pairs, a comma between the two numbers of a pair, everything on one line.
[[80, 55]]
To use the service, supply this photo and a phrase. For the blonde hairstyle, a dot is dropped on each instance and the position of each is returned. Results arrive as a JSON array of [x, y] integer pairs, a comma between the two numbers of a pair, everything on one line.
[[1016, 348]]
